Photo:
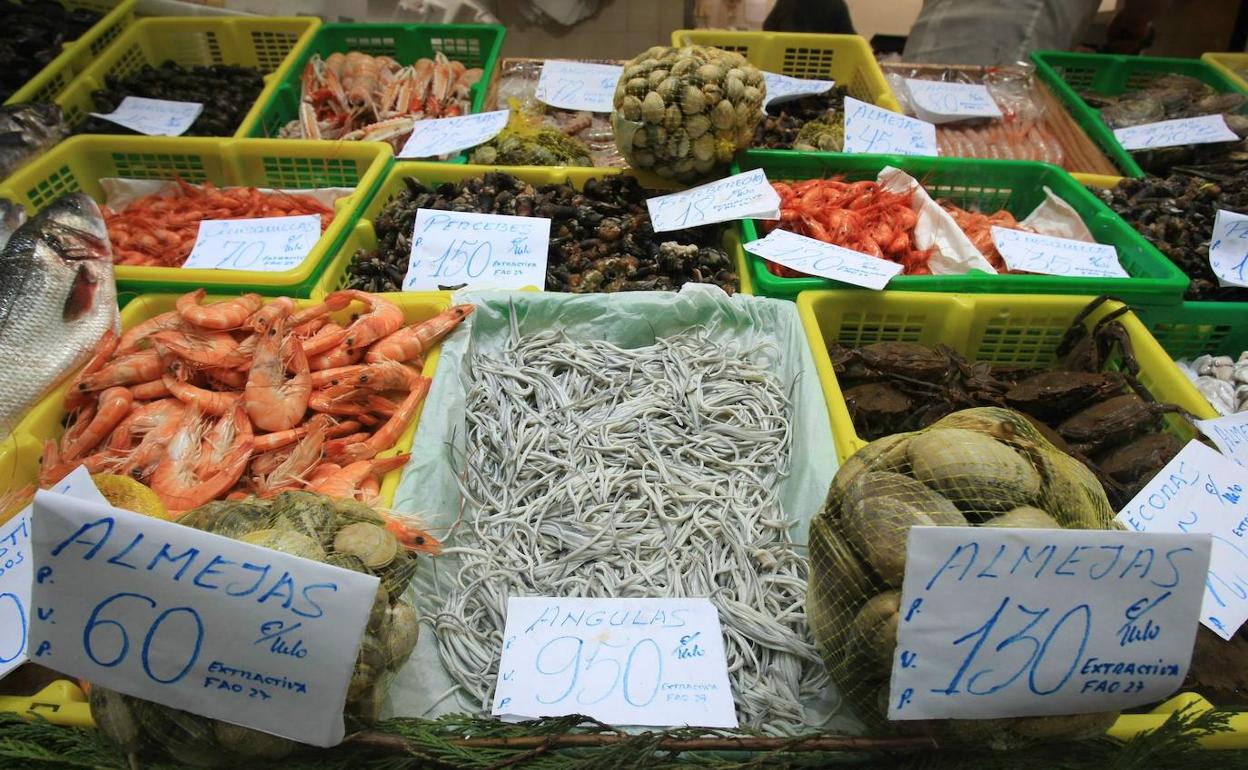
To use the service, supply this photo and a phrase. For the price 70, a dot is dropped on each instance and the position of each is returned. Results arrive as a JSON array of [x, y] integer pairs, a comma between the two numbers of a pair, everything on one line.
[[564, 656], [242, 254], [811, 257]]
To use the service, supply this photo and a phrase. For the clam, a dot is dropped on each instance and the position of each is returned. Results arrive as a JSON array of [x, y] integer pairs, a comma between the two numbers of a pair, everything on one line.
[[873, 635], [979, 474], [376, 546], [306, 513], [653, 108], [402, 632], [362, 677], [878, 512], [114, 717], [1024, 517], [252, 743], [286, 541], [381, 604]]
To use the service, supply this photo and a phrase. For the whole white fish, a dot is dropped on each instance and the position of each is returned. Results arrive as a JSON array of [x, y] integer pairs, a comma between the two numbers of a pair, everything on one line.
[[57, 297]]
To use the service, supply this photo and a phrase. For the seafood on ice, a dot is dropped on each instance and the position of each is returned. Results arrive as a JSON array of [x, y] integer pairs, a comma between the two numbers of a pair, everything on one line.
[[355, 96], [57, 298], [160, 230], [244, 398]]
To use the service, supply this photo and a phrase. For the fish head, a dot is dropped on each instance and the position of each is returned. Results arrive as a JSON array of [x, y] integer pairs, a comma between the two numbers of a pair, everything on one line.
[[74, 229]]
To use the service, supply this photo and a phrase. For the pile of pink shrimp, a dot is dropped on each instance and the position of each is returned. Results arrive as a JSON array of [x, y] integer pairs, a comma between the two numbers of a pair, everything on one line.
[[243, 397]]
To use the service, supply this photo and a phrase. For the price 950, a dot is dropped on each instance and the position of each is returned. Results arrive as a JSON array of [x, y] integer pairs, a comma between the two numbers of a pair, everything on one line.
[[635, 671]]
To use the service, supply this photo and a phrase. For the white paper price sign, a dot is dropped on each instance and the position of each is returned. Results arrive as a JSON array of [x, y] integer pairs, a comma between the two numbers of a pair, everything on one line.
[[269, 244], [1028, 622], [459, 248], [871, 129], [1228, 248], [443, 136], [1036, 253], [824, 259], [1206, 129], [154, 117], [16, 572], [1202, 491], [939, 102], [742, 196], [193, 620], [571, 85], [652, 662], [1229, 434], [782, 88]]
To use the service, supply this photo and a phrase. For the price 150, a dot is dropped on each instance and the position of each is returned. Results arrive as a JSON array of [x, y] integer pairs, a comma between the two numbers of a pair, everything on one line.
[[469, 257], [565, 657]]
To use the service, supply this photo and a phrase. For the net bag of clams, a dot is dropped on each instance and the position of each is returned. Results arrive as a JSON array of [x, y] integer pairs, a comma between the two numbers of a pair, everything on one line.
[[345, 533], [681, 112], [984, 467]]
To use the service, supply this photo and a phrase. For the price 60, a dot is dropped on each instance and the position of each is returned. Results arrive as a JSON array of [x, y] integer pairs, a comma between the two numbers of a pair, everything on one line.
[[107, 642]]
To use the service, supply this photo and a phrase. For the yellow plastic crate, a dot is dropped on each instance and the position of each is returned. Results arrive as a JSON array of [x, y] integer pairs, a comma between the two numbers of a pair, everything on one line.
[[259, 42], [57, 74], [847, 59], [19, 455], [80, 162], [362, 235], [62, 703], [1229, 64], [998, 328]]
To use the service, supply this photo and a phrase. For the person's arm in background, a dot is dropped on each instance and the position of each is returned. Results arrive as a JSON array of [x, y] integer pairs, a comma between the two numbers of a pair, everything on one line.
[[820, 16], [1132, 27]]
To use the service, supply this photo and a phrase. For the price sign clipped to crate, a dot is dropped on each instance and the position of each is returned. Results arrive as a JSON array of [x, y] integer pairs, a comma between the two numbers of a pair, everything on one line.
[[1031, 622], [1203, 491], [16, 572], [652, 662], [265, 243], [573, 85], [741, 196], [443, 136], [154, 117], [193, 620], [454, 249], [871, 129], [1229, 434]]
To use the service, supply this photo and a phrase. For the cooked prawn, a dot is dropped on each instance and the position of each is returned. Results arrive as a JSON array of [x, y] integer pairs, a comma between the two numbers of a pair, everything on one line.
[[227, 314], [412, 341], [273, 402]]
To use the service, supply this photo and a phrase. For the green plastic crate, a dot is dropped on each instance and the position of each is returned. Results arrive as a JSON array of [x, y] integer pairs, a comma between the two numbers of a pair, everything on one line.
[[80, 162], [1109, 75], [987, 185], [1192, 329], [56, 75], [476, 45]]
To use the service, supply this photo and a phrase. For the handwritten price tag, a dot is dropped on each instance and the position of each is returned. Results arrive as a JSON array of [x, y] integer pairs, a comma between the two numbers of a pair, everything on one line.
[[443, 136], [16, 572], [1228, 248], [455, 248], [195, 621], [1229, 434], [1202, 491], [1027, 622], [743, 196], [1206, 129], [938, 102], [154, 117], [652, 662], [571, 85], [824, 259], [871, 129], [782, 88], [270, 244], [1036, 253]]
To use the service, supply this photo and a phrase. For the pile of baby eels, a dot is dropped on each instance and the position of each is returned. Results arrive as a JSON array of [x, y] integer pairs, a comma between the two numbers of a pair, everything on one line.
[[596, 471]]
